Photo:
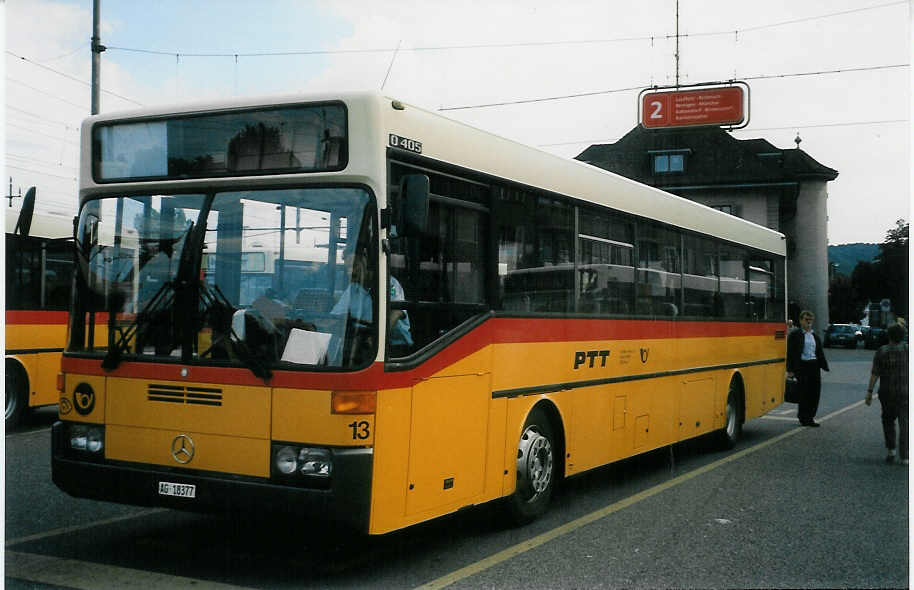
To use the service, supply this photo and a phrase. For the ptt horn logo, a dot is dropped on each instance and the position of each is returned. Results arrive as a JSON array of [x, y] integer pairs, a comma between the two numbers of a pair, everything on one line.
[[644, 353], [64, 406], [83, 399]]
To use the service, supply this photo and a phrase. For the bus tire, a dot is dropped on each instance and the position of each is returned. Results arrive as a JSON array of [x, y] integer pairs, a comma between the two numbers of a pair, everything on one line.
[[17, 394], [536, 469], [733, 426]]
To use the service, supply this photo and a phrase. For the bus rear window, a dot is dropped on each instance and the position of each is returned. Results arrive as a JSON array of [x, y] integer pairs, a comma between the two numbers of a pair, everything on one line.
[[276, 141]]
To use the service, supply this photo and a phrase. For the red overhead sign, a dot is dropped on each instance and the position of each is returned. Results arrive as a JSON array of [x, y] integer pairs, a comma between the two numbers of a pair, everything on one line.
[[723, 106]]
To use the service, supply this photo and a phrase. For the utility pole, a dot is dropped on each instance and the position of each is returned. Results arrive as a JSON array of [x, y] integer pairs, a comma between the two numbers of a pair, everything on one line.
[[677, 43], [97, 49], [11, 196]]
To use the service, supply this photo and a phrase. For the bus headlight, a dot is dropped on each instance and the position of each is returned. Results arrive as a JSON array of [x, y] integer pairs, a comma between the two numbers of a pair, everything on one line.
[[315, 462], [87, 438], [307, 462], [286, 460]]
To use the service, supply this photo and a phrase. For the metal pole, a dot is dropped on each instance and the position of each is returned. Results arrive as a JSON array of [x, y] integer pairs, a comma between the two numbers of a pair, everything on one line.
[[677, 43], [97, 49]]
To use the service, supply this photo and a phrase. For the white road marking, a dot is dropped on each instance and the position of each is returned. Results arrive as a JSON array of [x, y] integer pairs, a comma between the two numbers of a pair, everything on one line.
[[88, 525], [84, 575]]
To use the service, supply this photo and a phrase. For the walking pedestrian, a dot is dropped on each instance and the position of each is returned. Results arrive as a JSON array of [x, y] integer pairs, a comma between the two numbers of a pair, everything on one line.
[[890, 368], [805, 360]]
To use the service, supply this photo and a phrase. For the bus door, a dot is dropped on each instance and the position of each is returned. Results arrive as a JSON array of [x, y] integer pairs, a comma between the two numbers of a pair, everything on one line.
[[443, 278]]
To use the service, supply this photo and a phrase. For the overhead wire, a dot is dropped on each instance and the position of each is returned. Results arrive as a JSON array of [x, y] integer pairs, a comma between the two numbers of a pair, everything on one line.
[[236, 54], [73, 178], [746, 130], [48, 94], [70, 126], [265, 53], [645, 87], [54, 137], [69, 77], [37, 161]]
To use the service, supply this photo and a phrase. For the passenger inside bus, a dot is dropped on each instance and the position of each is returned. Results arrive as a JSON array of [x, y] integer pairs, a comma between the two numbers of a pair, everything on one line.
[[399, 336]]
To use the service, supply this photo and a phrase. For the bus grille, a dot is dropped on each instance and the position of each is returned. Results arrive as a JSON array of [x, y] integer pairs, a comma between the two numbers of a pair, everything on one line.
[[176, 394]]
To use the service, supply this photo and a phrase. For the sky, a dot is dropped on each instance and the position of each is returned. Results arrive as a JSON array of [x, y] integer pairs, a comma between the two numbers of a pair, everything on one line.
[[557, 76]]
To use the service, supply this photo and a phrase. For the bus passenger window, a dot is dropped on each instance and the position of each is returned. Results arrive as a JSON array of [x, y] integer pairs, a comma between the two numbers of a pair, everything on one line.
[[733, 282], [659, 278], [606, 272], [701, 289], [535, 252]]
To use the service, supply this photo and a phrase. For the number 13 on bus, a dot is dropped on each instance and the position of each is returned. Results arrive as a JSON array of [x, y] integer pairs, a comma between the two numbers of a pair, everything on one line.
[[355, 309]]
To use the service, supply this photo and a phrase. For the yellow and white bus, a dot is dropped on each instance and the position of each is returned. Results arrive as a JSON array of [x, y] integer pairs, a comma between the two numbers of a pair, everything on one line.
[[444, 318], [39, 273]]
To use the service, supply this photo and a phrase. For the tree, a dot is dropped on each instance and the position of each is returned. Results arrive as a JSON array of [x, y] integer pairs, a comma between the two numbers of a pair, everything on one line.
[[884, 278], [842, 305], [892, 267]]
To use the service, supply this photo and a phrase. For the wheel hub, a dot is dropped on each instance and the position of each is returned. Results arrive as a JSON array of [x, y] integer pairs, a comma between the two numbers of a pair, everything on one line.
[[534, 462]]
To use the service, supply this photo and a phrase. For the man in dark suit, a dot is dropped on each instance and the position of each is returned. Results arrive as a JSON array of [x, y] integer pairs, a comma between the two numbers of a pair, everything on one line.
[[805, 359]]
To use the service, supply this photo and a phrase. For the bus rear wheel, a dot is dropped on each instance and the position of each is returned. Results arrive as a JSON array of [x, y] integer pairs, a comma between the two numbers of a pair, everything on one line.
[[733, 427], [17, 398], [536, 469]]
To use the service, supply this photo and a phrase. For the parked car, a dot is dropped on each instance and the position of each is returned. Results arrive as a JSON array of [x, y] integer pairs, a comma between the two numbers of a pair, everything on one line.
[[859, 332], [841, 335], [875, 338]]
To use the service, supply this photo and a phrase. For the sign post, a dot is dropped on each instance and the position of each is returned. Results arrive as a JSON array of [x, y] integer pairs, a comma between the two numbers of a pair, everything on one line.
[[719, 106]]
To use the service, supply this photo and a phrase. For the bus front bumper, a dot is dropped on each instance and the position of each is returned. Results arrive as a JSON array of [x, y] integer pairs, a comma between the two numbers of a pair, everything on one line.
[[346, 501]]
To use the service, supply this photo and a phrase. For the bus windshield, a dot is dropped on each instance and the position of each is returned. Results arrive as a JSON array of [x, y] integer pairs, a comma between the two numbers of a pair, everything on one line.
[[259, 278]]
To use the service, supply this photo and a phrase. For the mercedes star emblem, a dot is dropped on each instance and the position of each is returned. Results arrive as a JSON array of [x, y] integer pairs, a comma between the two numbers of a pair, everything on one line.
[[182, 449]]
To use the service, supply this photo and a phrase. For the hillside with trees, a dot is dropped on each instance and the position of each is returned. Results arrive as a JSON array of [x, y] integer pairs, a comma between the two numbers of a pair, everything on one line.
[[885, 276], [843, 258]]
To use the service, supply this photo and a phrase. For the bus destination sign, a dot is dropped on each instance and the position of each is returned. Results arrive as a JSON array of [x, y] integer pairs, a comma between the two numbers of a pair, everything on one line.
[[723, 106]]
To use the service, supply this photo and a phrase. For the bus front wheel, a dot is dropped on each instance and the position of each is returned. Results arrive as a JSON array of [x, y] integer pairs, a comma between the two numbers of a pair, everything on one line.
[[536, 467], [17, 394]]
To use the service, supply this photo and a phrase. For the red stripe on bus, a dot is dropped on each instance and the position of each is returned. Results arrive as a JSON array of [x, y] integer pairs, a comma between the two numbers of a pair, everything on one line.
[[494, 331], [517, 330], [28, 316], [370, 377]]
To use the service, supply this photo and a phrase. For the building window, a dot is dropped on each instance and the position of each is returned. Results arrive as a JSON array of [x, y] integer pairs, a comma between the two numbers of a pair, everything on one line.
[[728, 209], [669, 163]]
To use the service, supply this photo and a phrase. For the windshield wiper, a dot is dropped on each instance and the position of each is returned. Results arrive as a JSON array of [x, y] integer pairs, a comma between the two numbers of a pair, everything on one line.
[[162, 299], [214, 300]]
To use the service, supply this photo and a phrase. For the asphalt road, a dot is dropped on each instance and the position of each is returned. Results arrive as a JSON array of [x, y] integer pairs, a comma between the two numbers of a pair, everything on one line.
[[788, 507]]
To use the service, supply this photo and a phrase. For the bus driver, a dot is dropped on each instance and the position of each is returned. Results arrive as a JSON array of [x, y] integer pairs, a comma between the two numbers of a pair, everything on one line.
[[356, 303]]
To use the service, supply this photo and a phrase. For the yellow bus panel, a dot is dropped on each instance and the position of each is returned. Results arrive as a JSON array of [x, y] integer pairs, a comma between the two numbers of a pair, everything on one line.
[[303, 415], [221, 453], [230, 410]]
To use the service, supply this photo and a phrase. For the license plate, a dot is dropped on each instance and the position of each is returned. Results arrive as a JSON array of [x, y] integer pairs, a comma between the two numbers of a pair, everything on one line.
[[180, 490]]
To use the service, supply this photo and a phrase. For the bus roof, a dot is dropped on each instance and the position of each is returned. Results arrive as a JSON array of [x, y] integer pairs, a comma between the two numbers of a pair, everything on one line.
[[447, 140], [454, 142]]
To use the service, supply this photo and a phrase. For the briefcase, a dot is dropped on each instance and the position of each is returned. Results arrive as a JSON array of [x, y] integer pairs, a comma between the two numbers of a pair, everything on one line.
[[792, 391]]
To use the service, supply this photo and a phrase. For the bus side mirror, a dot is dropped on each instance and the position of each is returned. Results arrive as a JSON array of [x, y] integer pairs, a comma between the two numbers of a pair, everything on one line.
[[413, 215]]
